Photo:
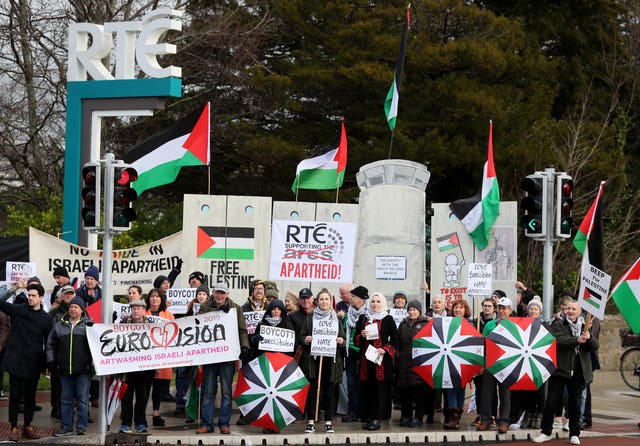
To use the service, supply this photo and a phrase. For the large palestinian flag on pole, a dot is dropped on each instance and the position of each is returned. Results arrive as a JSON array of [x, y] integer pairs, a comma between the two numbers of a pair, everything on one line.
[[324, 170], [626, 295], [159, 158], [477, 213], [393, 95]]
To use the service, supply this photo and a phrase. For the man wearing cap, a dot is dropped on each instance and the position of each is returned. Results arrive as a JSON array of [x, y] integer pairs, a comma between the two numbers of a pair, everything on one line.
[[222, 371], [305, 306], [61, 276], [257, 300], [25, 356], [138, 383], [359, 296], [69, 356], [489, 382], [57, 312]]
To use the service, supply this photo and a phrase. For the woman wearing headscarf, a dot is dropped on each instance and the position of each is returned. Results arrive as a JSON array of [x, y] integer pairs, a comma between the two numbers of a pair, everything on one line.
[[329, 369], [376, 379], [415, 394], [574, 345]]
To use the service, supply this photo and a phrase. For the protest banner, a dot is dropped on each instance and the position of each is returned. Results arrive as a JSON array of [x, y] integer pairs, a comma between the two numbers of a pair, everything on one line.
[[252, 319], [323, 336], [178, 299], [20, 271], [134, 266], [203, 339], [276, 339], [311, 251]]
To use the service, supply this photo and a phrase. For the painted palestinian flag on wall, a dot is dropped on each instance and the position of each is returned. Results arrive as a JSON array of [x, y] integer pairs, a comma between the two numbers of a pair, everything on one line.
[[221, 242]]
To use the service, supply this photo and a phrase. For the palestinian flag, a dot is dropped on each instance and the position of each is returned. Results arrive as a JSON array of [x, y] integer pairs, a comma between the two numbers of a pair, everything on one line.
[[590, 234], [477, 213], [221, 242], [159, 158], [325, 170], [626, 295], [447, 242], [393, 96], [194, 378]]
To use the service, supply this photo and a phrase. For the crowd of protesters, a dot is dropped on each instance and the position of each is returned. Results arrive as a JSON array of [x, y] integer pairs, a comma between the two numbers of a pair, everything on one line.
[[371, 370]]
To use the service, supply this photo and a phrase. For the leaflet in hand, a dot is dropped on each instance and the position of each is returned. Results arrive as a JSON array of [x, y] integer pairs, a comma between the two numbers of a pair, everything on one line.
[[372, 355]]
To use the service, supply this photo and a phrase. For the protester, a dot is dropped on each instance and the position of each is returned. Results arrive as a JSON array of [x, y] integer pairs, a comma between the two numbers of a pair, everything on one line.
[[359, 296], [157, 306], [61, 276], [455, 396], [138, 383], [68, 354], [291, 302], [489, 382], [257, 300], [376, 331], [298, 318], [328, 369], [270, 291], [5, 329], [487, 314], [574, 344], [90, 292], [67, 293], [25, 358], [415, 394], [274, 316], [345, 297], [221, 371], [437, 307]]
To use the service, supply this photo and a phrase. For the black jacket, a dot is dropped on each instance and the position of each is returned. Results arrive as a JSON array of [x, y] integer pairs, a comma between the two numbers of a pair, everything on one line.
[[566, 351], [24, 356], [404, 357], [68, 347]]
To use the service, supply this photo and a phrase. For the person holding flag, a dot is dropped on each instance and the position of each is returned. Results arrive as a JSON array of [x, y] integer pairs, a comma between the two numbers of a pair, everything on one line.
[[574, 344]]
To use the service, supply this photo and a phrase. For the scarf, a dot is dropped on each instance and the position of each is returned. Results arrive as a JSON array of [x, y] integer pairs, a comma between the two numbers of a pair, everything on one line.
[[273, 320], [376, 316], [353, 314], [576, 327]]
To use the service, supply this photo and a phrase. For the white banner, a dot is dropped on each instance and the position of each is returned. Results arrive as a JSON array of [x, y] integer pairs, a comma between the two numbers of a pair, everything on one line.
[[276, 339], [135, 266], [398, 315], [594, 289], [323, 336], [252, 319], [311, 251], [178, 299], [203, 339], [19, 271]]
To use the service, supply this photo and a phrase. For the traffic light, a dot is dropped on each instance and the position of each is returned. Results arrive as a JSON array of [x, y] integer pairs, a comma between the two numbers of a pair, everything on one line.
[[564, 205], [534, 205], [90, 196], [123, 196]]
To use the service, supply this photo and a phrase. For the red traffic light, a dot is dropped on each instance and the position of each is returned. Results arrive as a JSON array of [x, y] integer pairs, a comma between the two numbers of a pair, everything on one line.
[[89, 174], [567, 187], [124, 176]]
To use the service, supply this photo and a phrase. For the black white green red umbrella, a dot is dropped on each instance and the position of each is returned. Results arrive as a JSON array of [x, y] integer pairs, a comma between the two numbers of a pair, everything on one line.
[[271, 391], [448, 352], [521, 353]]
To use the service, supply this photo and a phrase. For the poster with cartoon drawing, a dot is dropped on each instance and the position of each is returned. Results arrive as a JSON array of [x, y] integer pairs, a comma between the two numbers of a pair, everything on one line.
[[452, 251]]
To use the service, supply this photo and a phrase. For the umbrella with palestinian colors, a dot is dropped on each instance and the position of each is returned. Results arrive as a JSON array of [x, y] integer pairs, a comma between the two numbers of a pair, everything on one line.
[[521, 353], [448, 352], [271, 391]]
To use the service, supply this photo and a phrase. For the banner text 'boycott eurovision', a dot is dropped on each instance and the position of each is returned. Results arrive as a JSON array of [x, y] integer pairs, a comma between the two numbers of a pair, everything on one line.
[[203, 339]]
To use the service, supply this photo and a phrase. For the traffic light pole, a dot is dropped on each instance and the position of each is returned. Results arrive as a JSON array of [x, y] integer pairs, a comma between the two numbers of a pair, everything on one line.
[[107, 292], [547, 262]]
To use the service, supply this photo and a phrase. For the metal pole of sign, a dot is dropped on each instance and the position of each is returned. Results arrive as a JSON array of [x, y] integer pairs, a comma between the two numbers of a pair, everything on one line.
[[107, 292], [547, 263]]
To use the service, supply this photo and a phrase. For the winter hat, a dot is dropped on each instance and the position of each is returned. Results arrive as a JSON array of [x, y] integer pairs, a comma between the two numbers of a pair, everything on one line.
[[535, 301], [499, 293], [77, 301], [196, 275], [415, 304], [60, 271], [293, 297], [276, 303], [360, 292], [158, 280], [92, 271], [271, 289], [202, 288]]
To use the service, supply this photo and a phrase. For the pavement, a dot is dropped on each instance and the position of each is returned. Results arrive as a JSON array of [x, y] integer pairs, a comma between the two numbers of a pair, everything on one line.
[[616, 414]]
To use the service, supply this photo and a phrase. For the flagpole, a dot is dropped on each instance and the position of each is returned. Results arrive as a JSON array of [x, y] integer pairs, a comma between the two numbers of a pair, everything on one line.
[[209, 179], [391, 144], [318, 391]]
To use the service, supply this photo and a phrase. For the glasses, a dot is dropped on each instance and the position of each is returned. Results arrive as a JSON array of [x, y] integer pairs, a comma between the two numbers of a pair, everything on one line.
[[487, 306]]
